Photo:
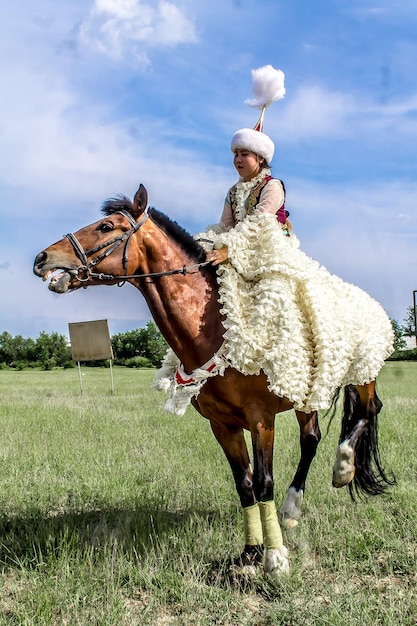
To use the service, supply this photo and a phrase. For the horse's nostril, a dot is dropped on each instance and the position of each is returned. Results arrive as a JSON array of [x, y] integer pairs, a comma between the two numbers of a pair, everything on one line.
[[40, 259]]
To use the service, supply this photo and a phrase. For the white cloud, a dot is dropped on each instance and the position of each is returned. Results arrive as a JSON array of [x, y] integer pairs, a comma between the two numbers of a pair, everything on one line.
[[68, 152], [172, 27], [396, 117], [365, 12], [120, 28], [389, 10], [313, 112]]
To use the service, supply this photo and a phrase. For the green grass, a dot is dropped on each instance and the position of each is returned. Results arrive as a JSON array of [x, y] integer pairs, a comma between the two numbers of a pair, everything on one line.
[[113, 512]]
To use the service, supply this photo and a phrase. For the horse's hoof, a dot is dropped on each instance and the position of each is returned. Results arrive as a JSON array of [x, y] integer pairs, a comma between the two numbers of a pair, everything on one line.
[[276, 562], [290, 511], [248, 564], [344, 467], [289, 523], [251, 557]]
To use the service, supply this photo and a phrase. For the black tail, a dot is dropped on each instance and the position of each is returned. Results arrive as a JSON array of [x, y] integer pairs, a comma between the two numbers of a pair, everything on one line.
[[370, 477]]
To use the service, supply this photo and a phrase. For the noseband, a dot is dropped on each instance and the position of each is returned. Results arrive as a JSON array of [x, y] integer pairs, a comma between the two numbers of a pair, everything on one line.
[[109, 247]]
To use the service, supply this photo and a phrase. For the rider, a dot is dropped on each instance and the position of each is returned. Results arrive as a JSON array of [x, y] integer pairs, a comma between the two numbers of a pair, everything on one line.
[[256, 189], [284, 313]]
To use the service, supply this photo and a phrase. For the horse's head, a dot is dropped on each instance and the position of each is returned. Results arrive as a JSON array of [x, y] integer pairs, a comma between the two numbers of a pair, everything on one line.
[[97, 251]]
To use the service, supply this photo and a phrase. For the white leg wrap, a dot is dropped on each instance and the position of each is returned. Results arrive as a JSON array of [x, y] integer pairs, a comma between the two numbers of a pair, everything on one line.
[[344, 467], [290, 512]]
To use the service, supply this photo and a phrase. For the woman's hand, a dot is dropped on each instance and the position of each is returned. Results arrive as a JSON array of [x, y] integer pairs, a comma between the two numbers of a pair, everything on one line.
[[218, 256]]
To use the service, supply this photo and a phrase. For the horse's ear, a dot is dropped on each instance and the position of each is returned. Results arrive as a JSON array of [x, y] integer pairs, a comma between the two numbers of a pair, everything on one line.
[[140, 201]]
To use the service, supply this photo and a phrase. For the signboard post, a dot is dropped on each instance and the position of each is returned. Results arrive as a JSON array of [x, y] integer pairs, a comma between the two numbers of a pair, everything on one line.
[[90, 341], [415, 312]]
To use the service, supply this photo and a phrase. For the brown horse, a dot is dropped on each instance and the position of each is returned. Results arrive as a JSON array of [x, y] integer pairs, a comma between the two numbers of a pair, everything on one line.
[[145, 248]]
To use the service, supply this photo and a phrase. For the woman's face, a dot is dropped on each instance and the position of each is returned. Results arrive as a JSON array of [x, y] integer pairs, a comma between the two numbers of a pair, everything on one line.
[[247, 163]]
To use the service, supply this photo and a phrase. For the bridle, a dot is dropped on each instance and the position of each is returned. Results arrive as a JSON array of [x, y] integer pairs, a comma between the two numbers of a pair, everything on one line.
[[109, 247]]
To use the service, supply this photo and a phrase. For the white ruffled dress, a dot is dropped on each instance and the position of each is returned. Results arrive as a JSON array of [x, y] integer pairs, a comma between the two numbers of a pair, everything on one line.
[[286, 315]]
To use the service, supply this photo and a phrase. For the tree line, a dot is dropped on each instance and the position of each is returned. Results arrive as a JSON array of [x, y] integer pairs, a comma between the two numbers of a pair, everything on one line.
[[407, 329], [142, 347]]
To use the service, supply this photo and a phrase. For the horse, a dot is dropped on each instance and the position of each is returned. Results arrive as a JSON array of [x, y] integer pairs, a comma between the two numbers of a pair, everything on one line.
[[140, 245]]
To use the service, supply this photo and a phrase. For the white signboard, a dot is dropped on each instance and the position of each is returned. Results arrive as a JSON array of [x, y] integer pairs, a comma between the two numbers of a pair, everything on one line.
[[90, 341]]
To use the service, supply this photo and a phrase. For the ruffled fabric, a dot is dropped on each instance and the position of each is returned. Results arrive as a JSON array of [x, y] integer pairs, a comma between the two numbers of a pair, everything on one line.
[[286, 315], [181, 394], [243, 189]]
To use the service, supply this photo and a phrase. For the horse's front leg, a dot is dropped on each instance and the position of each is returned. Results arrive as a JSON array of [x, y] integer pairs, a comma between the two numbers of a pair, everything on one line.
[[276, 554], [310, 436], [233, 443]]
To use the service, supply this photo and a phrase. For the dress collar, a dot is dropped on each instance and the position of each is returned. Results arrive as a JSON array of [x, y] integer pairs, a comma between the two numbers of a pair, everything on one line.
[[248, 184], [243, 189]]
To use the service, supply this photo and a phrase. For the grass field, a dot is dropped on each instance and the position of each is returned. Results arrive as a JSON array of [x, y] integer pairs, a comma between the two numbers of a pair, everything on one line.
[[113, 512]]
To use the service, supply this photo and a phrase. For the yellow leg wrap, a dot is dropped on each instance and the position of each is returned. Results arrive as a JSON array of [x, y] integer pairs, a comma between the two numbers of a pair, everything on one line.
[[270, 525], [252, 525]]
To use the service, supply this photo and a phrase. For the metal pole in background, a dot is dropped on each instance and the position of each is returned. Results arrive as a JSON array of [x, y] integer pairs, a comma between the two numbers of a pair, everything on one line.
[[111, 378], [415, 313], [79, 376]]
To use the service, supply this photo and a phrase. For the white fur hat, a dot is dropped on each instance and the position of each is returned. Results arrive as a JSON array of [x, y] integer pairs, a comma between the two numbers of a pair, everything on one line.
[[268, 86], [255, 141]]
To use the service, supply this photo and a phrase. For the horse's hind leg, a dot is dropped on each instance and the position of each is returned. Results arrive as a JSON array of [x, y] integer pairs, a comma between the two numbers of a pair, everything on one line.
[[310, 436], [357, 459], [354, 424]]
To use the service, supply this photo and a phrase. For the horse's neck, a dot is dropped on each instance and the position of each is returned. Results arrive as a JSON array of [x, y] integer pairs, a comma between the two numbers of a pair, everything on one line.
[[184, 307]]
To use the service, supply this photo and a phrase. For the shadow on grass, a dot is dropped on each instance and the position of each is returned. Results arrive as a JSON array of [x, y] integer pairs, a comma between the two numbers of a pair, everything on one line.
[[38, 539], [37, 536]]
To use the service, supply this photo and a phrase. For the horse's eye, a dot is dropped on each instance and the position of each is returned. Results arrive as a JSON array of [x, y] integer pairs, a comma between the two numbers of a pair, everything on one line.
[[106, 227]]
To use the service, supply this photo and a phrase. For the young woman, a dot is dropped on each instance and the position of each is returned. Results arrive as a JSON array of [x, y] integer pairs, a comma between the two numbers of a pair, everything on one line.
[[256, 189]]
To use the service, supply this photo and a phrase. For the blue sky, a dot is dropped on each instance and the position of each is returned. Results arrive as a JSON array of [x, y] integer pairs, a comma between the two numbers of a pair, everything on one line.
[[98, 97]]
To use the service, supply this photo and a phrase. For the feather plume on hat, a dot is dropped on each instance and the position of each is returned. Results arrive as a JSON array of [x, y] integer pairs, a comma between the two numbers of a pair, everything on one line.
[[268, 87]]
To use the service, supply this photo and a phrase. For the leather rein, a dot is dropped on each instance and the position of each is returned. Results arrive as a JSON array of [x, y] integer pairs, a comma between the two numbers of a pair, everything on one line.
[[109, 247]]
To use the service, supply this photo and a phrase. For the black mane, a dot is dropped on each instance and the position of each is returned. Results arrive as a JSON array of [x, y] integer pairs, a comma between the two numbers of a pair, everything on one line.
[[175, 232]]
